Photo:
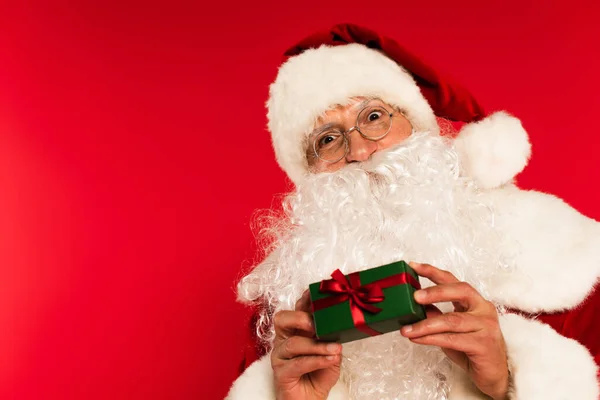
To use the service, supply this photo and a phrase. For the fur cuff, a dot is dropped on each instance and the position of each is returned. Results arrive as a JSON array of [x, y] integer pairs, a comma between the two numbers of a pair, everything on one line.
[[546, 365], [494, 150], [256, 383]]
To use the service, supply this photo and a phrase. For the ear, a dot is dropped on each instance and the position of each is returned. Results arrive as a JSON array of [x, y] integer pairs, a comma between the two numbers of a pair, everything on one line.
[[494, 150]]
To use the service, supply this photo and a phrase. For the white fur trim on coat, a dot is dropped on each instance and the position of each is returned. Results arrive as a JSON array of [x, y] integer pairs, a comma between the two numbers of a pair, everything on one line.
[[312, 82], [552, 249], [543, 365], [256, 383], [546, 365], [494, 150]]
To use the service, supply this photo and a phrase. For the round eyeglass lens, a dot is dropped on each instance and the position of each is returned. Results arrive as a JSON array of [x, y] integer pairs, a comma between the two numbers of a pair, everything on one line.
[[374, 122], [330, 146]]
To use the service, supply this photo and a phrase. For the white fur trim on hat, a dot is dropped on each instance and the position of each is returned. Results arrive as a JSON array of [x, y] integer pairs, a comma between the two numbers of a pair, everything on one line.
[[493, 150], [310, 83]]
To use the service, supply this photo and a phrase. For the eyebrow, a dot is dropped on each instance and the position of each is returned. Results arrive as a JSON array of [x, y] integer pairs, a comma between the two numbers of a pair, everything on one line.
[[363, 103], [322, 128]]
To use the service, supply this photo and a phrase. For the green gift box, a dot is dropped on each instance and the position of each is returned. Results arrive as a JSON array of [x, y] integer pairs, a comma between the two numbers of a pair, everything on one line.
[[366, 303]]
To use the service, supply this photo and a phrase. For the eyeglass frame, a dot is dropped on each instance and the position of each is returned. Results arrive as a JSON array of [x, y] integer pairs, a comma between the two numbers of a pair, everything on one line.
[[354, 128]]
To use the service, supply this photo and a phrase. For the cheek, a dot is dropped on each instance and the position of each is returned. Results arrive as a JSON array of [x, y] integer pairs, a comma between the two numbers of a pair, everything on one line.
[[315, 165], [396, 136]]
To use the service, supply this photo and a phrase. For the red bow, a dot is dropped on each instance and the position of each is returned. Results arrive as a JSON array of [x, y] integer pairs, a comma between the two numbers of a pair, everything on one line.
[[358, 296], [350, 288]]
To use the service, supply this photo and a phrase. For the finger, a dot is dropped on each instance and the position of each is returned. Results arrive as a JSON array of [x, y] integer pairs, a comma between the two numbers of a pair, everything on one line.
[[298, 366], [293, 323], [303, 303], [430, 311], [302, 346], [464, 342], [459, 292], [434, 274], [444, 323]]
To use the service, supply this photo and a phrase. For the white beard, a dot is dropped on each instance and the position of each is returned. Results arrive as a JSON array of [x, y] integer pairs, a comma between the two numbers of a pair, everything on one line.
[[408, 203]]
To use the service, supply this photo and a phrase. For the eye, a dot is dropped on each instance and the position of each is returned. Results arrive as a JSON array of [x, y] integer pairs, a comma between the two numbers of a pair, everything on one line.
[[374, 116], [326, 140], [329, 141]]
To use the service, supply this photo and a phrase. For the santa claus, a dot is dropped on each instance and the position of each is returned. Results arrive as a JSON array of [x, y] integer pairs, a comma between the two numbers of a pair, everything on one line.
[[508, 275]]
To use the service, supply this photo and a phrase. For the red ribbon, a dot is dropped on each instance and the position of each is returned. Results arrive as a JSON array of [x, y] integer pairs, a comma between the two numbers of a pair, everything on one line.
[[359, 297]]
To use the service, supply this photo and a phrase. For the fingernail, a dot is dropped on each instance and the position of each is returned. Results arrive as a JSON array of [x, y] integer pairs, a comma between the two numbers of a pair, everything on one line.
[[419, 295], [407, 328], [333, 348], [330, 357]]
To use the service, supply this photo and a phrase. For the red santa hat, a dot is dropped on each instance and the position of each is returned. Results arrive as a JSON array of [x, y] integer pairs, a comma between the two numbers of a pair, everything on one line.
[[330, 67]]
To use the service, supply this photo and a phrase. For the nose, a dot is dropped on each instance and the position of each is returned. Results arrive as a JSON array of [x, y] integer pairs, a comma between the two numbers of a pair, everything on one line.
[[359, 148]]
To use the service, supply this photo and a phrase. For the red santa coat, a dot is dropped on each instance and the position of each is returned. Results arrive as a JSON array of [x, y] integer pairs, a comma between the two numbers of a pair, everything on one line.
[[552, 334]]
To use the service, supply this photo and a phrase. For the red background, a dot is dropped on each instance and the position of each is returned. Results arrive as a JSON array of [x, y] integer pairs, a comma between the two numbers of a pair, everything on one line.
[[133, 153]]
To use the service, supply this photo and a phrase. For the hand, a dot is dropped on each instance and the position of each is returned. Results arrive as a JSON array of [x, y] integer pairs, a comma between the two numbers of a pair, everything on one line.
[[303, 368], [470, 336]]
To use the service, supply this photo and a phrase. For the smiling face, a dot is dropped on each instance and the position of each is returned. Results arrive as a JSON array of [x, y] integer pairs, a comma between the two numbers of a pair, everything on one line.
[[337, 140]]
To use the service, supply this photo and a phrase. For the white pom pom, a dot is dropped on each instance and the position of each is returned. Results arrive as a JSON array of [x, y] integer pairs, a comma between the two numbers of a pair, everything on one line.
[[494, 150]]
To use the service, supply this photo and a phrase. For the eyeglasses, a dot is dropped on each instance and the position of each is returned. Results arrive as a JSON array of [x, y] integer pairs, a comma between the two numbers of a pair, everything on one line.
[[373, 123]]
